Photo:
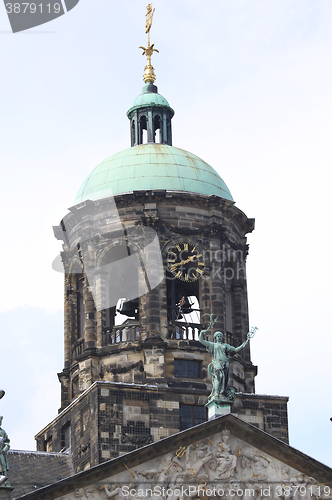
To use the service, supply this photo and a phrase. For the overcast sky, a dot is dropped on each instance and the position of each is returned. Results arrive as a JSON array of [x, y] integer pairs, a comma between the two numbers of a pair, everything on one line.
[[250, 82]]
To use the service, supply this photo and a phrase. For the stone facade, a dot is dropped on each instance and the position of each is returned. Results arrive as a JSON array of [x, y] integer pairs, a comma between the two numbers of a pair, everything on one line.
[[110, 419], [94, 351]]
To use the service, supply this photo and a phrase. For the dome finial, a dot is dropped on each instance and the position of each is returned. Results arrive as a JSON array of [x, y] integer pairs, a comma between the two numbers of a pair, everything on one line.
[[149, 75]]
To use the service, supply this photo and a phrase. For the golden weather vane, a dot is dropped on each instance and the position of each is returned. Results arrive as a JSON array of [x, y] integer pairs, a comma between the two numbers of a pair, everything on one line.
[[149, 17], [149, 75]]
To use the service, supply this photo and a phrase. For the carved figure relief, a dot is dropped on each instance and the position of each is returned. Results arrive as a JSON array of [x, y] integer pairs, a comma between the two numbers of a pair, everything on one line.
[[226, 461], [222, 464]]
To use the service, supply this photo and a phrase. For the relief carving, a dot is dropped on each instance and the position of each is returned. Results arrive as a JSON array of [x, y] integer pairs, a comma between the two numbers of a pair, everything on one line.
[[226, 461], [222, 467]]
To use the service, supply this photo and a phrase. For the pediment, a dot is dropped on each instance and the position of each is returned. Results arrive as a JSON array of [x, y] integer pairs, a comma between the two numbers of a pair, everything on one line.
[[224, 458]]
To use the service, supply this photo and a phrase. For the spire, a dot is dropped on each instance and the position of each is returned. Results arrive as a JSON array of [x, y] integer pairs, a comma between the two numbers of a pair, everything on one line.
[[150, 114], [149, 75]]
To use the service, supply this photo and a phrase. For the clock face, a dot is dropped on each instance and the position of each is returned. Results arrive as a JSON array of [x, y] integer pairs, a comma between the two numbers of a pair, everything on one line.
[[185, 261]]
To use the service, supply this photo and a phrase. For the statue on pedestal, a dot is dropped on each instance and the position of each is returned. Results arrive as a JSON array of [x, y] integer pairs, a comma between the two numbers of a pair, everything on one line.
[[219, 368], [4, 447]]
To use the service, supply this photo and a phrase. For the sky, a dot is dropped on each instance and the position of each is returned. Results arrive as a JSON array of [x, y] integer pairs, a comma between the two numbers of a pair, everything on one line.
[[250, 82]]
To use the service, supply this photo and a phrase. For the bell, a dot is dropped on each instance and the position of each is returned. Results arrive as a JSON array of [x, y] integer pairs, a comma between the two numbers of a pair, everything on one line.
[[184, 304], [130, 308]]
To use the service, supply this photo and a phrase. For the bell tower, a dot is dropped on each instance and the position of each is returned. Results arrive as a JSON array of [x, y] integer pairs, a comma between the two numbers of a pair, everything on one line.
[[153, 245]]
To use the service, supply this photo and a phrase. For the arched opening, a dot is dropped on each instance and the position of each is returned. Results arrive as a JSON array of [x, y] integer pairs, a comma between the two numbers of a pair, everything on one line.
[[183, 308], [157, 130], [121, 315], [143, 134], [133, 138]]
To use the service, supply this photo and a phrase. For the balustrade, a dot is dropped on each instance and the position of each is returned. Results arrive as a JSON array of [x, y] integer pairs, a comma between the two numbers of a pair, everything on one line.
[[121, 333], [184, 331], [78, 348]]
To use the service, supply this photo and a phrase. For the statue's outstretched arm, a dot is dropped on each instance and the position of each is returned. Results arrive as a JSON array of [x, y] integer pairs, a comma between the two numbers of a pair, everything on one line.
[[209, 328], [250, 335], [237, 349]]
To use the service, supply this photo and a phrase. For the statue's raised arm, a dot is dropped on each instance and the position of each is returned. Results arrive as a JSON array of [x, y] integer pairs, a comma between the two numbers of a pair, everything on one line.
[[250, 335], [212, 321]]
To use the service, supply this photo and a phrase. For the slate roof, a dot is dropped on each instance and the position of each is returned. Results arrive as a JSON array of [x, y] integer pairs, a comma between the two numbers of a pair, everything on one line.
[[31, 470]]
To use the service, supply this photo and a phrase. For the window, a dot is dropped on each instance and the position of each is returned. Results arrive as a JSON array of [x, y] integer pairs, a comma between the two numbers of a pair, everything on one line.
[[65, 436], [84, 419], [187, 368], [191, 415], [48, 444]]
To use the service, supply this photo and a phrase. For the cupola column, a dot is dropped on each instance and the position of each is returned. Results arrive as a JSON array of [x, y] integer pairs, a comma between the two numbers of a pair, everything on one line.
[[165, 138], [136, 130], [151, 134]]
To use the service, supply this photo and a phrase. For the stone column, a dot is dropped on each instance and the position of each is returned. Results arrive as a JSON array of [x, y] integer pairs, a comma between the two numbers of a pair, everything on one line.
[[163, 309], [90, 318], [205, 298], [67, 323], [102, 294], [90, 336], [217, 286], [152, 302], [153, 346], [241, 316]]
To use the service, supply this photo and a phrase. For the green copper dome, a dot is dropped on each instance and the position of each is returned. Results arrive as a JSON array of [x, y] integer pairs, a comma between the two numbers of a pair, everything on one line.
[[152, 167], [149, 97]]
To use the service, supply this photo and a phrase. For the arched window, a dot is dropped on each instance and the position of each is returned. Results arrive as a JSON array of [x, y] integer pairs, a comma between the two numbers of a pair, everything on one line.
[[143, 130], [157, 132], [133, 137]]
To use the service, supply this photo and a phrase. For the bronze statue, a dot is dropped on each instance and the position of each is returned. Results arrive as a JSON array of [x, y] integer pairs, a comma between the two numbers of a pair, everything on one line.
[[219, 368]]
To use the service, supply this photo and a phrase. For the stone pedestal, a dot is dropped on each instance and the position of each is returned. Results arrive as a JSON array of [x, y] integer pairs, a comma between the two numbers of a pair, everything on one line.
[[5, 491], [217, 407]]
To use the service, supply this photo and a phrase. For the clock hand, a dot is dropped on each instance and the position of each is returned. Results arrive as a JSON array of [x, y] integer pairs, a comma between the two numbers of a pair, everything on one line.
[[194, 257], [190, 259], [174, 266]]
